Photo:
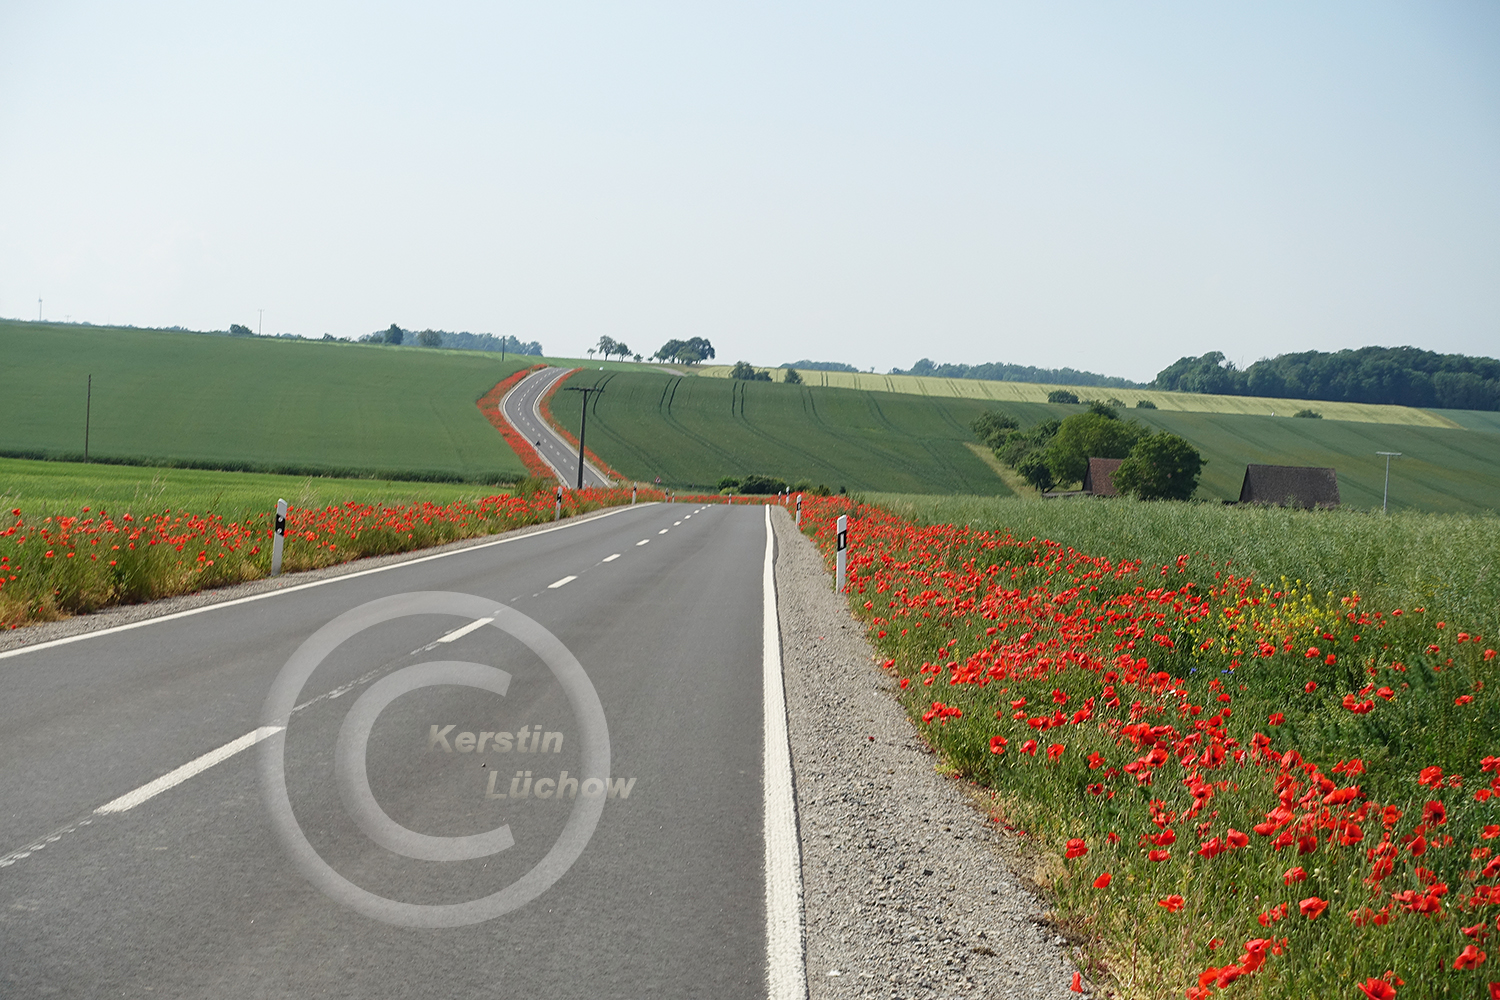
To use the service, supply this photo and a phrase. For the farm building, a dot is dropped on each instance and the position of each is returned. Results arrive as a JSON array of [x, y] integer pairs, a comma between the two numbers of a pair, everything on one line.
[[1099, 480], [1290, 486]]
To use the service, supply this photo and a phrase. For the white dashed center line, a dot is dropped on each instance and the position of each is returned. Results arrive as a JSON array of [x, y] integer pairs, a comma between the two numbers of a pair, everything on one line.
[[676, 523], [610, 558], [561, 583], [664, 531], [643, 541]]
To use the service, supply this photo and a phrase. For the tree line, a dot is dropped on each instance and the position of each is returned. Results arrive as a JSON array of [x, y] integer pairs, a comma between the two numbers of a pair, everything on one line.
[[462, 341], [997, 372], [1402, 376]]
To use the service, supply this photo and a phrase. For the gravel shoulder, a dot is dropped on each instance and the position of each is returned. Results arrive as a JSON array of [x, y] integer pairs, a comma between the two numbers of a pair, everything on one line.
[[909, 889]]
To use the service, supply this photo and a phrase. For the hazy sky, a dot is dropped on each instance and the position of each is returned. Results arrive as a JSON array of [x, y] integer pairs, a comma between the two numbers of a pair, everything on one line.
[[1107, 186]]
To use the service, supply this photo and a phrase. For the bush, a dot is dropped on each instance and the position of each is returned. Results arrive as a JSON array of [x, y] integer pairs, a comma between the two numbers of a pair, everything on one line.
[[1309, 414], [791, 377], [756, 485], [1144, 404], [728, 483], [1061, 396], [991, 425], [237, 330], [746, 372], [1160, 467], [1104, 410]]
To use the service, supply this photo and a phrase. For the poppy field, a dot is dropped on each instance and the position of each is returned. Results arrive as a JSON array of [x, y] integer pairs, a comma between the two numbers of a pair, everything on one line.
[[1230, 784], [55, 565]]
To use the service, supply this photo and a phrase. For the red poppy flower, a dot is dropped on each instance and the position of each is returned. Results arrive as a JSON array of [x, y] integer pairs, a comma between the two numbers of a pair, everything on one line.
[[1276, 719], [1312, 907], [1435, 813], [1077, 986], [1077, 848], [1310, 686], [1102, 882], [1235, 838], [1298, 874], [1172, 903], [1158, 855], [1471, 957], [1377, 989]]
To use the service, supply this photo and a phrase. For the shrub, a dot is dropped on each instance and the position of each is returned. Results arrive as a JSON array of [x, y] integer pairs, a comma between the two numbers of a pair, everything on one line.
[[991, 425], [791, 377], [1160, 467], [728, 483], [1144, 404], [1309, 414], [746, 372], [1034, 469], [1061, 396], [757, 485]]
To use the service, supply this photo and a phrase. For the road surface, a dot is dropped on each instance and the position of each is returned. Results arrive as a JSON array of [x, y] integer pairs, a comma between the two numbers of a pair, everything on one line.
[[139, 857], [520, 407]]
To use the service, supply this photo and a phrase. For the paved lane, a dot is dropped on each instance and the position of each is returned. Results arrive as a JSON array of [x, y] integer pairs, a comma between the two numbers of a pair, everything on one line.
[[190, 893], [520, 407]]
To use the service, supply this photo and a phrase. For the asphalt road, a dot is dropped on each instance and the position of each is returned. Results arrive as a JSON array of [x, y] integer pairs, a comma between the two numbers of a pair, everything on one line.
[[191, 893], [520, 408]]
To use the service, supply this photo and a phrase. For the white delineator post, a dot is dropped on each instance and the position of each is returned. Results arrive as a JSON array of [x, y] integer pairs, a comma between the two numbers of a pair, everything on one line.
[[799, 510], [632, 494], [557, 515], [841, 554], [278, 536]]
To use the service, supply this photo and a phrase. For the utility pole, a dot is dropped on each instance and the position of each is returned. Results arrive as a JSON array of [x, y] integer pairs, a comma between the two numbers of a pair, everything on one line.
[[38, 310], [1387, 497], [260, 328], [88, 405], [582, 423]]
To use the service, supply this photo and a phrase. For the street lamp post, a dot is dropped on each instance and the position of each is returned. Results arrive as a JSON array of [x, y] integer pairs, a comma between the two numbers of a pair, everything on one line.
[[583, 422], [1385, 500]]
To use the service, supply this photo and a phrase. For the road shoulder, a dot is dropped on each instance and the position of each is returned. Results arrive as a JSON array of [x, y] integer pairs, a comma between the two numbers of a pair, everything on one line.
[[908, 889]]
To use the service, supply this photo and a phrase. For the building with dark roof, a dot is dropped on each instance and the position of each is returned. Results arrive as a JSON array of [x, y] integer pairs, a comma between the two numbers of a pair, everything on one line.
[[1290, 486], [1099, 480]]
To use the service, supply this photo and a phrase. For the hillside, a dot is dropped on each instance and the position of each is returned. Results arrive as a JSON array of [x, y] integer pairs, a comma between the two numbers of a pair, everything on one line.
[[691, 431], [250, 402], [1036, 392]]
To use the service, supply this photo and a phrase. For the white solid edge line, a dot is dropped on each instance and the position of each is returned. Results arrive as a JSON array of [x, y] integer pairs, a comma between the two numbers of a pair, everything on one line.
[[459, 633], [51, 643], [785, 961], [173, 778], [560, 583]]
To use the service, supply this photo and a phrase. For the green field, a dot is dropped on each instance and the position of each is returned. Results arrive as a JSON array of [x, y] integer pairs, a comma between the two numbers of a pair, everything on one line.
[[1036, 392], [251, 403], [40, 489], [693, 431]]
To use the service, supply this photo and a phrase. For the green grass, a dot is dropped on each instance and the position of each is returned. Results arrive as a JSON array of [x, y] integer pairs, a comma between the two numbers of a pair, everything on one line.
[[40, 489], [1448, 562], [250, 402], [693, 431]]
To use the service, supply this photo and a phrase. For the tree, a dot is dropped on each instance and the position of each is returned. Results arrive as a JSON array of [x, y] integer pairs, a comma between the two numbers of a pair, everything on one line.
[[669, 350], [622, 349], [394, 335], [430, 338], [1033, 468], [745, 372], [1160, 467], [637, 359], [992, 425], [606, 346], [238, 330], [1089, 435], [688, 352], [1061, 396], [791, 377]]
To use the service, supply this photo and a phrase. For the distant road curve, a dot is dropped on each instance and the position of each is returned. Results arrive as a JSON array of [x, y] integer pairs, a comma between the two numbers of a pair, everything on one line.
[[521, 406]]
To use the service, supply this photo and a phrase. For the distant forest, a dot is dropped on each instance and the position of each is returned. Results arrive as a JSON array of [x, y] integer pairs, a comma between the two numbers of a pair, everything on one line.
[[820, 366], [996, 371], [1404, 376], [463, 341]]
